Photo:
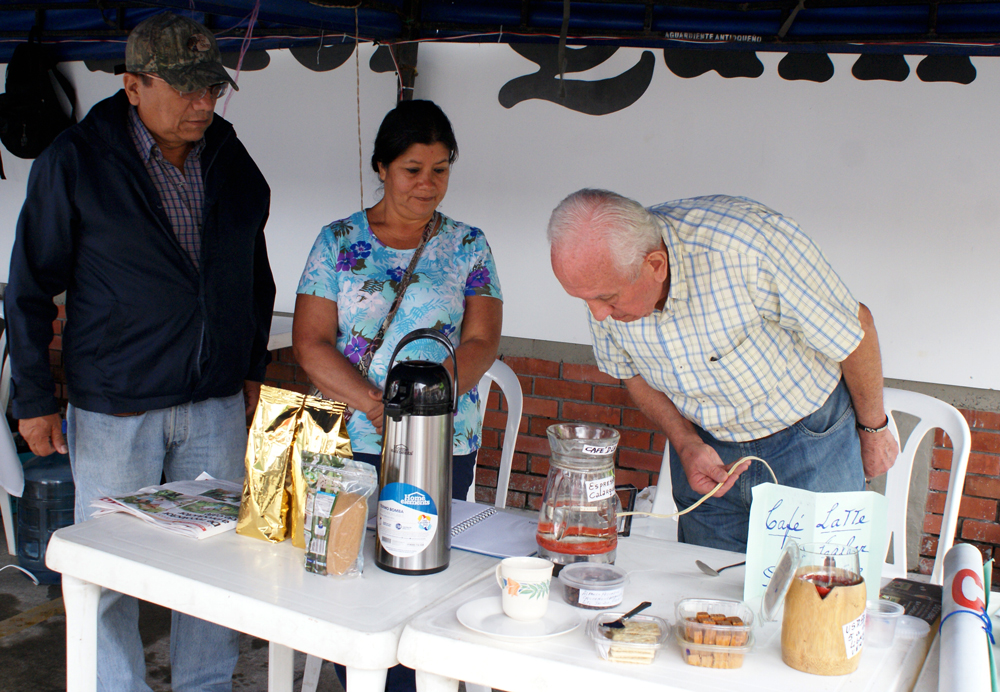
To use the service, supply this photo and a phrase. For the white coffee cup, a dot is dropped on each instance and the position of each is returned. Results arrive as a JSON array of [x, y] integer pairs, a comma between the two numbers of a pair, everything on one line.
[[524, 584]]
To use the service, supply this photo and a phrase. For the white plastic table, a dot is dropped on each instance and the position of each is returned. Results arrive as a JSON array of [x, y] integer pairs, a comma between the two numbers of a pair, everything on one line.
[[281, 331], [443, 651], [247, 585]]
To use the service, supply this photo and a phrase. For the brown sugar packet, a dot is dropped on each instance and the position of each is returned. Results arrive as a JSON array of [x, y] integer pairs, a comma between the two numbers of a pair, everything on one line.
[[346, 532], [337, 492]]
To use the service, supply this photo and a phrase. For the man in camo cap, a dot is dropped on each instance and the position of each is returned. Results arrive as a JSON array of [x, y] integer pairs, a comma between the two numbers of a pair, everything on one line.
[[149, 214], [179, 50]]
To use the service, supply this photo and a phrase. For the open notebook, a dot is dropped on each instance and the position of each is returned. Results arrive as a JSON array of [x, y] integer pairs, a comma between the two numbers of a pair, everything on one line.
[[490, 531]]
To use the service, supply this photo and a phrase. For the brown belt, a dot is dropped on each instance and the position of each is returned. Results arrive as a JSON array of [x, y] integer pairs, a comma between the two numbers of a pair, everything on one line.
[[126, 415]]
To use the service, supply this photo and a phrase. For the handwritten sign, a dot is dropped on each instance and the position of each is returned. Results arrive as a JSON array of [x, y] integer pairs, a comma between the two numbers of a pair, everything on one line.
[[779, 514]]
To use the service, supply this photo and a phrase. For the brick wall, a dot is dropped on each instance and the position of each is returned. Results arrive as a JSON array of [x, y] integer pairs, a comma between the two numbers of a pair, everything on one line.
[[978, 521], [557, 392], [55, 356]]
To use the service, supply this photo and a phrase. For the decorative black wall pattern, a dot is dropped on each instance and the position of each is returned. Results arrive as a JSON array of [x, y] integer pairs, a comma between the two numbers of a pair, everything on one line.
[[598, 97], [728, 63], [810, 67], [889, 68], [106, 66], [946, 68], [381, 60], [324, 58], [601, 97], [253, 60]]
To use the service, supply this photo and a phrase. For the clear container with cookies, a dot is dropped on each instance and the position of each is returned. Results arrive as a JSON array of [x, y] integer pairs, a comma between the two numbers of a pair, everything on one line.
[[714, 633], [637, 643]]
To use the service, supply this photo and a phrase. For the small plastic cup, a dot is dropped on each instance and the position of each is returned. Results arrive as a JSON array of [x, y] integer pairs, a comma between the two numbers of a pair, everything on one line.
[[593, 585], [880, 630]]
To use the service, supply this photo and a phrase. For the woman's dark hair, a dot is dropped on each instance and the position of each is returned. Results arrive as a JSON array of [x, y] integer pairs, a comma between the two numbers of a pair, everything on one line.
[[409, 123]]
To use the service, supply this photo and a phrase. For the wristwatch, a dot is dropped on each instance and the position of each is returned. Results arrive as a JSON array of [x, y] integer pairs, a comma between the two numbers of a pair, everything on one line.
[[879, 429]]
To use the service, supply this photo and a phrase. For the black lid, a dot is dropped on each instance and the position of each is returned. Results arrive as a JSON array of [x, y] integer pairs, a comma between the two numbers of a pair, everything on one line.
[[417, 388]]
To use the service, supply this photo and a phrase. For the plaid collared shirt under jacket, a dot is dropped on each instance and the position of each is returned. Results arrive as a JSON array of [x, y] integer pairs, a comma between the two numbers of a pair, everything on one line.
[[181, 193], [755, 323]]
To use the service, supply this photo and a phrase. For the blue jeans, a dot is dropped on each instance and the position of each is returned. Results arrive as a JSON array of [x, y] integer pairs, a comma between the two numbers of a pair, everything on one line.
[[821, 453], [114, 455]]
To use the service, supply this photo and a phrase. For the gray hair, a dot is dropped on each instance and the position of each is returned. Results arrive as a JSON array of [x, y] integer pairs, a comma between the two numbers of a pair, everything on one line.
[[629, 230]]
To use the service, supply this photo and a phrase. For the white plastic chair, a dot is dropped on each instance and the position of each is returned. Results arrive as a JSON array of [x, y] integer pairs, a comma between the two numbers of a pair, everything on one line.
[[500, 373], [663, 503], [11, 472], [932, 413]]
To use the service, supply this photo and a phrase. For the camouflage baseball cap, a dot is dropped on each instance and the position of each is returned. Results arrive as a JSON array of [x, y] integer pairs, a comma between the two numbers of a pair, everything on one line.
[[180, 51]]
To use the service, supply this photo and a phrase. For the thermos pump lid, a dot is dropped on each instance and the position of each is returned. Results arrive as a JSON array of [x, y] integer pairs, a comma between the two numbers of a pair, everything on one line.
[[418, 388]]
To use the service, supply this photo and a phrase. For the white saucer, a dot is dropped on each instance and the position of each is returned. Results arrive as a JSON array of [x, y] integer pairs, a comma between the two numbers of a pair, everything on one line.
[[486, 616]]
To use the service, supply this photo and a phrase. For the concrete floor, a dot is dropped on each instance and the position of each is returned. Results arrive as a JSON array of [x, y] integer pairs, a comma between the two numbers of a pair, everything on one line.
[[33, 642]]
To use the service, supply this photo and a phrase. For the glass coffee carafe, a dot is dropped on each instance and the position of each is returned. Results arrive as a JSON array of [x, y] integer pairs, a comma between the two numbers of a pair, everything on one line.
[[577, 521]]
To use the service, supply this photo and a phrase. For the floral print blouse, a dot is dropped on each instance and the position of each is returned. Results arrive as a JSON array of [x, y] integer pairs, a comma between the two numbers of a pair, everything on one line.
[[353, 268]]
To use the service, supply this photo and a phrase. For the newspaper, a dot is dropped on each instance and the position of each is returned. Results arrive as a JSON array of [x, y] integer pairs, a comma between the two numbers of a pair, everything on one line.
[[200, 508]]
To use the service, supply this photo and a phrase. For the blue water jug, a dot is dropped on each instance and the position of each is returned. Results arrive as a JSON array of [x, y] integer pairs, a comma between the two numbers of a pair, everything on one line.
[[45, 506]]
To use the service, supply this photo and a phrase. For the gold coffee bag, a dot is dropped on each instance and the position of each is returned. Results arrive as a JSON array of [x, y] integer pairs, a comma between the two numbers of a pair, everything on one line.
[[285, 424], [321, 429]]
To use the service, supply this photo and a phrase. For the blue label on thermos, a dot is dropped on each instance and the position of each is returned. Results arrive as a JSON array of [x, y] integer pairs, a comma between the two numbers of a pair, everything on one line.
[[407, 519]]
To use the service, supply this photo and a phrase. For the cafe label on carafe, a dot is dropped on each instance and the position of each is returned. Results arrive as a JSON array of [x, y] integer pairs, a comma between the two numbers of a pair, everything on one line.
[[407, 519], [600, 449]]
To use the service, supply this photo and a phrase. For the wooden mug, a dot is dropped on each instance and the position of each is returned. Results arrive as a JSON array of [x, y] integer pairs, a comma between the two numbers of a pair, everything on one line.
[[818, 633]]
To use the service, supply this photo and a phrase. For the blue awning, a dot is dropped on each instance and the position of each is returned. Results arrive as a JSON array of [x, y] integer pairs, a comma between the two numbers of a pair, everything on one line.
[[96, 29]]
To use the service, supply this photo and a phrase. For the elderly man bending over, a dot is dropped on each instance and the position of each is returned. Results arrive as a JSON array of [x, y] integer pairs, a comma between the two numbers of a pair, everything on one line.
[[735, 336]]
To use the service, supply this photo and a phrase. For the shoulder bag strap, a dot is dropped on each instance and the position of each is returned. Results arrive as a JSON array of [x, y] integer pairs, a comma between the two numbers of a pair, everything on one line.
[[375, 344], [366, 358]]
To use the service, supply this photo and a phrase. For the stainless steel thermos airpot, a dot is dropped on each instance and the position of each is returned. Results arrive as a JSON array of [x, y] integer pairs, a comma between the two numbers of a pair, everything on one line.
[[414, 508]]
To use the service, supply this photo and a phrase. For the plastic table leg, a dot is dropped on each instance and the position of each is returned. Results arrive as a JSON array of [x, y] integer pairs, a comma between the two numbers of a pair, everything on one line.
[[80, 599], [429, 682], [280, 668], [362, 680]]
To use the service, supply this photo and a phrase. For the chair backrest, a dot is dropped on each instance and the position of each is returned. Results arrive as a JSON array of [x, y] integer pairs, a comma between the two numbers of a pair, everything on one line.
[[11, 473], [933, 413], [501, 373], [4, 373], [663, 503]]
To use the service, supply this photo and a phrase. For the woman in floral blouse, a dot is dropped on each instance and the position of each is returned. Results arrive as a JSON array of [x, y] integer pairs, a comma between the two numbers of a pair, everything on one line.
[[353, 271]]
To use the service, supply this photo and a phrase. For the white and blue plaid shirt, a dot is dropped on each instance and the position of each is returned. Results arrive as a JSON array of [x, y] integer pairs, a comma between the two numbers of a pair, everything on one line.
[[182, 193], [754, 327]]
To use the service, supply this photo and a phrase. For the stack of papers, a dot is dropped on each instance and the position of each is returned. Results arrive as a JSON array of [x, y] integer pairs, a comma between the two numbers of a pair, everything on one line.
[[200, 508]]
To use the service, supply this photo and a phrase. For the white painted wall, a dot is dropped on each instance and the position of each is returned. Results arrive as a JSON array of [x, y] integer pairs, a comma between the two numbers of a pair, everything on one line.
[[896, 181]]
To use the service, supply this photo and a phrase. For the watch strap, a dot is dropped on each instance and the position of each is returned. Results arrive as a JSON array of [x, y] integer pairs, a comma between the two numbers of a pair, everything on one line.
[[879, 429]]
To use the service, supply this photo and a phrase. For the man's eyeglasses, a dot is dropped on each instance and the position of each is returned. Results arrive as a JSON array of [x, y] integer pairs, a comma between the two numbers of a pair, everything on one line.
[[216, 91]]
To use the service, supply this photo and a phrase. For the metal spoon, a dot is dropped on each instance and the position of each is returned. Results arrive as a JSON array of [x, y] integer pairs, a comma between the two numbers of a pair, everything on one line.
[[715, 572], [620, 622]]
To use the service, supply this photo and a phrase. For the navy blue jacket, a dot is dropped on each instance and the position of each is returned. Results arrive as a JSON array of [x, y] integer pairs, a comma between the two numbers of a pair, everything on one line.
[[144, 328]]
